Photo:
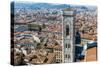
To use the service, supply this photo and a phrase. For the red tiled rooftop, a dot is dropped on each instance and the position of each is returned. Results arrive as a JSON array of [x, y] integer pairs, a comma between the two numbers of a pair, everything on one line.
[[91, 54], [87, 36]]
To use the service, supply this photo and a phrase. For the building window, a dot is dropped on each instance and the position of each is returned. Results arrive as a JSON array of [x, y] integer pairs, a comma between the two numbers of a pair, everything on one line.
[[66, 45], [69, 45], [67, 56], [67, 30]]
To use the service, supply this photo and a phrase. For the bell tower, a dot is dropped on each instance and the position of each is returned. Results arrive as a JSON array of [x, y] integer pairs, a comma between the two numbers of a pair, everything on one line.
[[68, 35]]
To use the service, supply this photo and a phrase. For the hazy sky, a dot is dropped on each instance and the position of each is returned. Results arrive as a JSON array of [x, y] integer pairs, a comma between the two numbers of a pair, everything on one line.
[[82, 2]]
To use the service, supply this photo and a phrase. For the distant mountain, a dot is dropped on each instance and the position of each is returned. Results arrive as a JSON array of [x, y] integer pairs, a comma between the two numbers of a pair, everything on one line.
[[40, 5], [30, 5]]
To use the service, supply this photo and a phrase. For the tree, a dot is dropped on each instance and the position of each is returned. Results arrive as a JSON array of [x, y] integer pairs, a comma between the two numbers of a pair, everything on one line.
[[43, 25], [40, 28]]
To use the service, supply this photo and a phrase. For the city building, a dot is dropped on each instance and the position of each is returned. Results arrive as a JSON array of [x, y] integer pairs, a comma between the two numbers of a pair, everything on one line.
[[58, 52], [68, 35]]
